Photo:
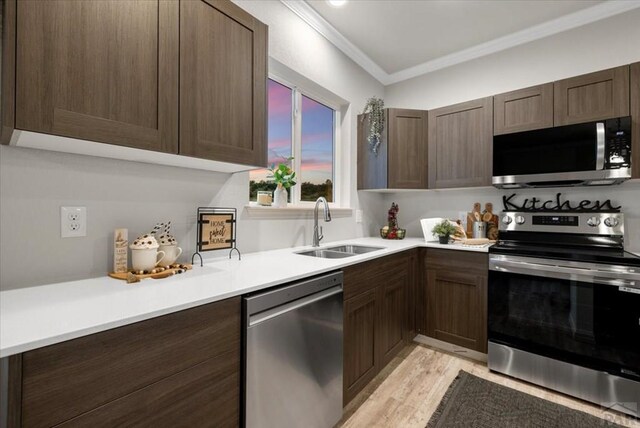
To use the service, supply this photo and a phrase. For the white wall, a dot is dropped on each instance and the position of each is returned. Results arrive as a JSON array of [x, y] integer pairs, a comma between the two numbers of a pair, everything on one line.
[[604, 44], [449, 203], [34, 184], [597, 46]]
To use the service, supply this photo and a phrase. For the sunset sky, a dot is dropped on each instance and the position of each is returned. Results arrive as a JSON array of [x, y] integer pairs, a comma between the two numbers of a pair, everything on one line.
[[317, 136]]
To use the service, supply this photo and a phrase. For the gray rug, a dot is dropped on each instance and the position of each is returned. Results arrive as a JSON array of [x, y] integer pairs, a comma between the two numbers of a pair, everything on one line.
[[471, 401]]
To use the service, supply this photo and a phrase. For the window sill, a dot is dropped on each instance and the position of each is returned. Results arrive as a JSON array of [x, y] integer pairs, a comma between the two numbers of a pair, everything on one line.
[[258, 212]]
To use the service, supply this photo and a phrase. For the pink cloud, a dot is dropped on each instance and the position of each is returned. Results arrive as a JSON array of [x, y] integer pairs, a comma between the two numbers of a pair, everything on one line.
[[317, 166]]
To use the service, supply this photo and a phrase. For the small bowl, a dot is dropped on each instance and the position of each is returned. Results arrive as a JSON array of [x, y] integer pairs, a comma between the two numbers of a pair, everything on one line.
[[400, 234]]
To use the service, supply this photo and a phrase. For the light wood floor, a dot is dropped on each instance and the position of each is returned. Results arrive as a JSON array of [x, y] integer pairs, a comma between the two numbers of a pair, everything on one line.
[[409, 389]]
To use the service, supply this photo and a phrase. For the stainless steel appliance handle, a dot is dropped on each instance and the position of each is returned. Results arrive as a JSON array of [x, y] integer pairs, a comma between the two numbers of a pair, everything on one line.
[[292, 306], [585, 274], [600, 145]]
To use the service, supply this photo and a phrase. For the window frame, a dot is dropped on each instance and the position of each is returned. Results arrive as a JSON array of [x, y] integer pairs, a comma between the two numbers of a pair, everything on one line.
[[297, 91]]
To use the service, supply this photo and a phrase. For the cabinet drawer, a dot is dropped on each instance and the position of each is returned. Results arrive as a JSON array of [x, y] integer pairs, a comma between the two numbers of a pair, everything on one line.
[[458, 260], [204, 395], [366, 276], [65, 380]]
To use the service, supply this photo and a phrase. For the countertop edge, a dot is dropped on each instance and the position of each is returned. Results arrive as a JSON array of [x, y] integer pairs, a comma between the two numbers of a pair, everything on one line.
[[18, 347]]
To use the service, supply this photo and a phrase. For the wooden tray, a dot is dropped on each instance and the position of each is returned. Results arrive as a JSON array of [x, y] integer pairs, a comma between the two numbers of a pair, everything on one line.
[[131, 276]]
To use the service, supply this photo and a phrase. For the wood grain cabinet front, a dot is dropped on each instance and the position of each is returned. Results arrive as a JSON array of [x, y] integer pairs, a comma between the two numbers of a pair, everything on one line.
[[223, 78], [103, 71], [594, 96], [176, 366], [460, 145], [377, 316], [455, 297], [180, 77], [635, 118], [401, 162], [523, 110]]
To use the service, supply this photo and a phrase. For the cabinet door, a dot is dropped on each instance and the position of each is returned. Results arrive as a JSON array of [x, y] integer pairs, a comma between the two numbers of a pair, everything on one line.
[[456, 308], [223, 78], [460, 142], [523, 110], [594, 96], [372, 168], [103, 70], [360, 356], [407, 136], [635, 117], [392, 300]]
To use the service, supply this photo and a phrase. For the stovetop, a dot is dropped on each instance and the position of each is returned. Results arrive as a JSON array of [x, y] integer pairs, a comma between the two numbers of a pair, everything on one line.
[[582, 254], [595, 237]]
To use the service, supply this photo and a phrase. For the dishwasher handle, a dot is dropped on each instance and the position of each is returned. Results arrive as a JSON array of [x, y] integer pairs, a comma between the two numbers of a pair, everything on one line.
[[292, 306]]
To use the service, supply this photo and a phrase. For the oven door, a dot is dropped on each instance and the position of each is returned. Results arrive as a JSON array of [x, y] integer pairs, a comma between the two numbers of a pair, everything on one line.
[[580, 313]]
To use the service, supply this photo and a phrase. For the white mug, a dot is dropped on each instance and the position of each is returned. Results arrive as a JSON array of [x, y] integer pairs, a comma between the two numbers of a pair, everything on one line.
[[171, 254], [146, 258]]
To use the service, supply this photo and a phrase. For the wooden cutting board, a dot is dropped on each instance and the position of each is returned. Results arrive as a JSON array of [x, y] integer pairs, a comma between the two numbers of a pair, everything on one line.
[[158, 275]]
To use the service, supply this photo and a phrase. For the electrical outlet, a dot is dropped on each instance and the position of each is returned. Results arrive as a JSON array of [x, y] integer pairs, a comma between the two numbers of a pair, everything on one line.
[[359, 214], [73, 222]]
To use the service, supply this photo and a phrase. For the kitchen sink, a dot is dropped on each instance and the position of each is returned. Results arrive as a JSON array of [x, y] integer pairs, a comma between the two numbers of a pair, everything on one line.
[[340, 252], [325, 254], [354, 249]]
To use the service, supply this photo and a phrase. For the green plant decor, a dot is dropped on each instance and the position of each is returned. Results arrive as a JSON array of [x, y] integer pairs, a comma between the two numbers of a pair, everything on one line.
[[283, 175], [444, 228], [375, 109]]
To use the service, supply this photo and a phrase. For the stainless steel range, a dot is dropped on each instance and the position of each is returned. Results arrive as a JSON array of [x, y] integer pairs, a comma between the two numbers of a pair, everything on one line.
[[564, 306]]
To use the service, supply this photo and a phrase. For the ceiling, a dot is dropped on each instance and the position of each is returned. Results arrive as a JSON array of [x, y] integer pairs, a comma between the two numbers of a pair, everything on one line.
[[399, 39]]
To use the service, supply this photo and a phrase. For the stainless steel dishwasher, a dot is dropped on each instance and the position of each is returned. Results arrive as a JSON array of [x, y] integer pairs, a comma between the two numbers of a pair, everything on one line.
[[293, 355]]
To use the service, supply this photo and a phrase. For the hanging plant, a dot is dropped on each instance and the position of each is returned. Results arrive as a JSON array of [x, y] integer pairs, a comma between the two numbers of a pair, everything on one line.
[[375, 109]]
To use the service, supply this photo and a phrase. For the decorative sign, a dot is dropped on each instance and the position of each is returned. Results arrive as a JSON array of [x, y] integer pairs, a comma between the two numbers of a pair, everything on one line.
[[216, 231], [555, 205]]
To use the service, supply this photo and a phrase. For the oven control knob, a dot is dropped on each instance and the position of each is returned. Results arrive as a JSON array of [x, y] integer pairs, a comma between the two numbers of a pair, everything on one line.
[[611, 222], [520, 219], [594, 221], [507, 219]]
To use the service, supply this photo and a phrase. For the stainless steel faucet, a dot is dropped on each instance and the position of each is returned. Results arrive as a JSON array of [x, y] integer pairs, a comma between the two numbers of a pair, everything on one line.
[[317, 232]]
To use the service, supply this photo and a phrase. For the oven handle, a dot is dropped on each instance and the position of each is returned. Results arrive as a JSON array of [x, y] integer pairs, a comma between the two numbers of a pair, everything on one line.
[[600, 146], [593, 276]]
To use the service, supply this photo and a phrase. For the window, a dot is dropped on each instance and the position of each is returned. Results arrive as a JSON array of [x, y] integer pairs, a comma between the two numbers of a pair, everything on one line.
[[308, 133]]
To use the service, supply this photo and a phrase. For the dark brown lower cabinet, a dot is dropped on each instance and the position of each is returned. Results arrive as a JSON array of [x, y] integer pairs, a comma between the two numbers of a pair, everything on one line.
[[181, 369], [377, 317], [455, 297], [360, 331]]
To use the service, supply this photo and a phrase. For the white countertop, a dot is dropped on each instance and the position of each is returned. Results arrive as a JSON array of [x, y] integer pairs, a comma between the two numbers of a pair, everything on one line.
[[34, 317]]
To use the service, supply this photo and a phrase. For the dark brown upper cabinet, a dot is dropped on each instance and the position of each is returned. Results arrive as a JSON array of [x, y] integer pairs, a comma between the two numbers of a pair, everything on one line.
[[401, 162], [523, 110], [223, 77], [460, 142], [635, 119], [103, 71], [594, 96], [186, 78]]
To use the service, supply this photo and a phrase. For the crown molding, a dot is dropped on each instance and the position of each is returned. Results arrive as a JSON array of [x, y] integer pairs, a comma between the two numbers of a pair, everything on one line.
[[567, 22], [540, 31], [318, 23]]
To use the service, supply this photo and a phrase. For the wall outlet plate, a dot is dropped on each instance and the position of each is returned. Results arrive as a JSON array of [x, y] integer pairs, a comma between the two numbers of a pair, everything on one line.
[[359, 214], [73, 222]]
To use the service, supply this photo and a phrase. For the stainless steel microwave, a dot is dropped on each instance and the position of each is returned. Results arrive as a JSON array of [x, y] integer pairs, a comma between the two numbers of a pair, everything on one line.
[[585, 154]]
